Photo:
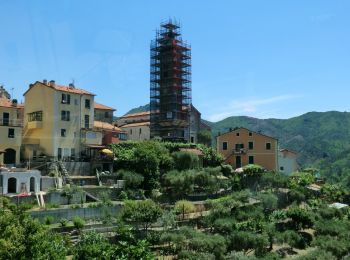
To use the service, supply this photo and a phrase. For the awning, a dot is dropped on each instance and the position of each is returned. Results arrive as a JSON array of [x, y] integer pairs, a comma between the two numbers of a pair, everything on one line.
[[106, 151]]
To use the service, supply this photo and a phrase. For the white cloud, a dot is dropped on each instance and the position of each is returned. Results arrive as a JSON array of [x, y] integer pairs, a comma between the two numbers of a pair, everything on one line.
[[248, 107]]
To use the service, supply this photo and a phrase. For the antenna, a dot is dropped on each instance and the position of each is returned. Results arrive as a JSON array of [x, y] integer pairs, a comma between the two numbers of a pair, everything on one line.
[[12, 92]]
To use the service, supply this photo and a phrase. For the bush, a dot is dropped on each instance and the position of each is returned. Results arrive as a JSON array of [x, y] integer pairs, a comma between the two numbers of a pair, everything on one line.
[[226, 169], [48, 220], [63, 222], [78, 222], [185, 160], [184, 207], [132, 179]]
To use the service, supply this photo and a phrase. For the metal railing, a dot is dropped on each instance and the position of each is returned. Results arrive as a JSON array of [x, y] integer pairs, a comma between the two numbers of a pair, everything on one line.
[[10, 122]]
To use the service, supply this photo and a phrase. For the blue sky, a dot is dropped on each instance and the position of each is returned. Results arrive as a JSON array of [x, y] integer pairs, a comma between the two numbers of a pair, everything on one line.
[[257, 58]]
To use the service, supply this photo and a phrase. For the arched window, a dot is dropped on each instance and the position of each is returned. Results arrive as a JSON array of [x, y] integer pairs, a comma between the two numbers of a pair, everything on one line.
[[10, 156]]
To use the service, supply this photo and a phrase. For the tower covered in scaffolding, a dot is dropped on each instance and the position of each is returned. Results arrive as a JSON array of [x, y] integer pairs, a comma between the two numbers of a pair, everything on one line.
[[170, 81]]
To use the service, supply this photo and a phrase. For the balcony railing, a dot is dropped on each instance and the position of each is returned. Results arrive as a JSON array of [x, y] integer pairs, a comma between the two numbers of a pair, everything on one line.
[[240, 151], [11, 122]]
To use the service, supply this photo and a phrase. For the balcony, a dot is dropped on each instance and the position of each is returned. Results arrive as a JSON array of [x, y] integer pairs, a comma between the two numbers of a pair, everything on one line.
[[11, 122], [35, 124], [239, 151]]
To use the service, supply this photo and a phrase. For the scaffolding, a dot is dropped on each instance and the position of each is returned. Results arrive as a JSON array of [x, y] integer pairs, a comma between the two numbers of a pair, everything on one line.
[[170, 84]]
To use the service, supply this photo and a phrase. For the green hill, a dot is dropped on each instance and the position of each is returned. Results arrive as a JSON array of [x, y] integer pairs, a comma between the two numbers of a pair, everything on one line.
[[320, 138]]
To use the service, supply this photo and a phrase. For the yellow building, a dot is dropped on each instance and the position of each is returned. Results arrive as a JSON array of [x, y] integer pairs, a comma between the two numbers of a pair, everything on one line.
[[11, 121], [58, 121], [241, 146]]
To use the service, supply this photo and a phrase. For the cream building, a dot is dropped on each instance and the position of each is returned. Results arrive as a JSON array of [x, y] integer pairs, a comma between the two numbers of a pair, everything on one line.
[[58, 121], [11, 122], [287, 161]]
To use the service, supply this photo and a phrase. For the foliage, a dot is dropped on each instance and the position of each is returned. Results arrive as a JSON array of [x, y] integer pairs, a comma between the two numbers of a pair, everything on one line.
[[185, 160], [301, 218], [245, 241], [25, 238], [317, 254], [184, 207], [132, 179], [78, 222], [48, 220], [70, 190], [142, 213], [204, 137], [269, 201], [253, 170], [226, 169], [63, 222]]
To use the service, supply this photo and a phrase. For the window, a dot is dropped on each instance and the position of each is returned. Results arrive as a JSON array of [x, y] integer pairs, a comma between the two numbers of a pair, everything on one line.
[[250, 134], [251, 159], [250, 145], [6, 118], [65, 99], [239, 146], [237, 134], [282, 168], [65, 115], [131, 131], [106, 114], [63, 132], [72, 152], [11, 133], [35, 116], [122, 136], [224, 145], [268, 146], [76, 102], [87, 103], [87, 121], [140, 131], [59, 153]]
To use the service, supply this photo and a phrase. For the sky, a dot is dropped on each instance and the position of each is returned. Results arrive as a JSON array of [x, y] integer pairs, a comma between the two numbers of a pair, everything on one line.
[[264, 59]]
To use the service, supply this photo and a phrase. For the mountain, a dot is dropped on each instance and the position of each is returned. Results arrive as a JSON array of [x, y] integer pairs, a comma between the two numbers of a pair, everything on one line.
[[314, 135], [320, 138], [139, 109]]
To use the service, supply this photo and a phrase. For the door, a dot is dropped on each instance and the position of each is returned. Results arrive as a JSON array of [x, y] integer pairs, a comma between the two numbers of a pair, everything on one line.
[[5, 118], [10, 156], [238, 162]]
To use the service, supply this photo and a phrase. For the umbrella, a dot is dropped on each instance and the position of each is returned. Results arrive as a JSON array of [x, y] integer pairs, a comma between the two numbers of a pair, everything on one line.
[[106, 151], [239, 170]]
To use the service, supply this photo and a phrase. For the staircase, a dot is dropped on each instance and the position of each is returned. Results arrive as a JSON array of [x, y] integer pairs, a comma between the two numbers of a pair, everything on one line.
[[64, 173]]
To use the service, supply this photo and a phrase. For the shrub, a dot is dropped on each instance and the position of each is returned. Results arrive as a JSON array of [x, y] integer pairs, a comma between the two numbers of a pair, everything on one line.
[[132, 179], [226, 169], [184, 207], [48, 220], [78, 222], [63, 222], [185, 160]]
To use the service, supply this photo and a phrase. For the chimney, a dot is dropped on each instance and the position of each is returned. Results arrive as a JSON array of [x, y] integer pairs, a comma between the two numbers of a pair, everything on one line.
[[71, 85], [14, 102], [52, 83], [45, 81]]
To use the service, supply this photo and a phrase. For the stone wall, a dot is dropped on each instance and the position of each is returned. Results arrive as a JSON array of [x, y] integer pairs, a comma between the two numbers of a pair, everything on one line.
[[70, 213]]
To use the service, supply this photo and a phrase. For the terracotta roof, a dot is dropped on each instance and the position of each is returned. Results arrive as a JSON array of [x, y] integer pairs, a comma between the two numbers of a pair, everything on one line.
[[106, 126], [102, 107], [136, 124], [240, 128], [136, 114], [62, 88], [287, 150], [4, 102]]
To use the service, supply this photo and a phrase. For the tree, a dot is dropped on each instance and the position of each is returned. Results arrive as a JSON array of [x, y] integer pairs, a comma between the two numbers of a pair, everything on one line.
[[184, 207], [25, 238], [92, 245], [204, 137], [141, 213], [301, 218], [185, 160]]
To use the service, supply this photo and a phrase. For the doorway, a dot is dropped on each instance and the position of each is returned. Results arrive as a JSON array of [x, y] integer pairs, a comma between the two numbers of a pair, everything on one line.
[[238, 162], [12, 185]]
